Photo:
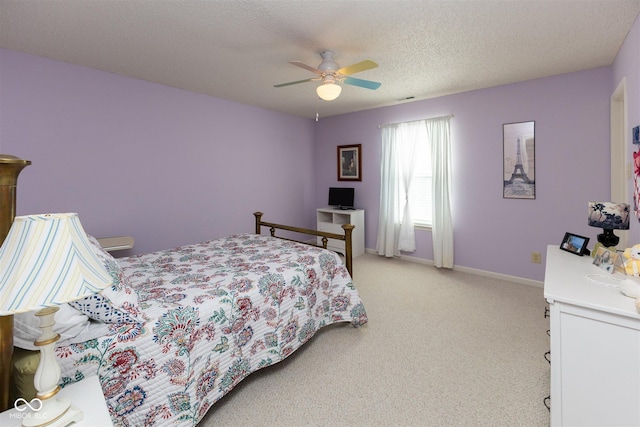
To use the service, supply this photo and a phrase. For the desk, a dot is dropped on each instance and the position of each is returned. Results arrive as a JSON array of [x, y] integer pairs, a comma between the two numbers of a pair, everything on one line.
[[595, 345], [86, 395]]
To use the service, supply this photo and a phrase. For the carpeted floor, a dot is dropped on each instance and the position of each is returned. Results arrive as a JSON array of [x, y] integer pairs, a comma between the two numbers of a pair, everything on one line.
[[442, 348]]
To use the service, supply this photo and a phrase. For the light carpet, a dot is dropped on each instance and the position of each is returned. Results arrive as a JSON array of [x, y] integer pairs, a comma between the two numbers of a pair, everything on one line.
[[442, 348]]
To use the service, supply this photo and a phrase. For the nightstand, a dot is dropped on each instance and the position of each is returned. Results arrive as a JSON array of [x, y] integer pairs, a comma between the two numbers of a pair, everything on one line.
[[85, 395], [117, 243]]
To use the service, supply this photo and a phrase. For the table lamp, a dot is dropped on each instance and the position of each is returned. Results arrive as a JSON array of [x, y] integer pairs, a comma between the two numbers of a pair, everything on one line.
[[47, 260], [609, 216]]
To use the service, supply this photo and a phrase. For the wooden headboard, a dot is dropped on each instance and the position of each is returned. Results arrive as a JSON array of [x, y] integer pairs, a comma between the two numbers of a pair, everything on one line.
[[10, 167]]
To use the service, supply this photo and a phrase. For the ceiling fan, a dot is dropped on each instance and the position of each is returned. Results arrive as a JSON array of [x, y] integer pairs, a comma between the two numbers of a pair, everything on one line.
[[330, 73]]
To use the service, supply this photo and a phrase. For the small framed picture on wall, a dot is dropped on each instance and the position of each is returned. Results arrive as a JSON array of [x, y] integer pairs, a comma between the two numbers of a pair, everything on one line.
[[519, 172], [350, 162]]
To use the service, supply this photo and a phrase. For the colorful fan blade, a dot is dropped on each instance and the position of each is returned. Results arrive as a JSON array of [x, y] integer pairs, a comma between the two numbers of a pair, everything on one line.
[[367, 84], [293, 83], [305, 66], [356, 68]]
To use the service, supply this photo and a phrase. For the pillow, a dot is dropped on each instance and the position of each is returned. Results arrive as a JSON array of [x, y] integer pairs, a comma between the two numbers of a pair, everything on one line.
[[72, 325], [117, 303]]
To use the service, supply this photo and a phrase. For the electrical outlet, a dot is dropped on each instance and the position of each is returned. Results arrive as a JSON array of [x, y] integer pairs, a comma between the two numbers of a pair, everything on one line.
[[535, 257]]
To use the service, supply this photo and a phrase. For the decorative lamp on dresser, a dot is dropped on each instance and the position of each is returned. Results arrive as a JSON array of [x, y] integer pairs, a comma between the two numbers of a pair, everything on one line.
[[595, 344]]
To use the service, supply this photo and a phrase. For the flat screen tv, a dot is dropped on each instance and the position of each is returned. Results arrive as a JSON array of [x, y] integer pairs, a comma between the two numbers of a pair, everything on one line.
[[341, 197]]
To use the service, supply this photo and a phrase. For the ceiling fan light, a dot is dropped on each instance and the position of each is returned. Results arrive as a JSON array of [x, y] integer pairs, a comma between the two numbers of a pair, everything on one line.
[[328, 91]]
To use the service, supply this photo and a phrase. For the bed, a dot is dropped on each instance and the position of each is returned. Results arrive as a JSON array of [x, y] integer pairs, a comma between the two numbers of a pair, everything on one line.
[[181, 328]]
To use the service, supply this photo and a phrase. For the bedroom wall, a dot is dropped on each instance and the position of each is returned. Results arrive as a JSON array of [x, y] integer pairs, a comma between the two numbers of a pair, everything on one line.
[[172, 167], [167, 166], [627, 65], [571, 114]]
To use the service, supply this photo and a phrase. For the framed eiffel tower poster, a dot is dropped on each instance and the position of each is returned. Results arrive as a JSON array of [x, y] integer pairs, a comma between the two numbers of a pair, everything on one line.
[[519, 155]]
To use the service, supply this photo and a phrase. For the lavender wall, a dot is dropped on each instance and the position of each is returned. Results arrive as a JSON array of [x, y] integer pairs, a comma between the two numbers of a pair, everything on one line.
[[571, 114], [627, 65], [167, 166], [172, 167]]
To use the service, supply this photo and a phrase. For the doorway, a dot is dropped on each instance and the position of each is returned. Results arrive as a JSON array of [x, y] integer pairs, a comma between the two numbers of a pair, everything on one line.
[[621, 172]]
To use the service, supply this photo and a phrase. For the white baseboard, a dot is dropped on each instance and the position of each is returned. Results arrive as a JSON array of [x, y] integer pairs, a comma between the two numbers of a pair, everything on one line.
[[490, 274]]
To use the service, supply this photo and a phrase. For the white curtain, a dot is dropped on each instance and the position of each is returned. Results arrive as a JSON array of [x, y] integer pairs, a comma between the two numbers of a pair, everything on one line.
[[442, 229], [388, 225], [395, 235], [398, 159]]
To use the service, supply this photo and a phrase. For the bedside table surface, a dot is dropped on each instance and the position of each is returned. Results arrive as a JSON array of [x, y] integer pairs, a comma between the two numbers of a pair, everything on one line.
[[116, 243], [85, 395]]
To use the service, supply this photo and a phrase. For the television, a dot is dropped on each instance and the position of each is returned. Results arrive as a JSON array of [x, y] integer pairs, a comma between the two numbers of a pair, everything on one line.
[[340, 197]]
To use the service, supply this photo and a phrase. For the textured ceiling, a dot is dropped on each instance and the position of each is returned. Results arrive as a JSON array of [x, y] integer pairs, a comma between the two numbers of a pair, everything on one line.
[[238, 50]]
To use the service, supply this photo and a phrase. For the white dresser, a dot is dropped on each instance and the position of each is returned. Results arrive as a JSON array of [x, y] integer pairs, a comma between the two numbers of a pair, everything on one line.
[[595, 345], [331, 220]]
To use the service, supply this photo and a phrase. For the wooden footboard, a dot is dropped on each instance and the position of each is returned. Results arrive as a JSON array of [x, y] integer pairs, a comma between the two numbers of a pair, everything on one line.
[[348, 229]]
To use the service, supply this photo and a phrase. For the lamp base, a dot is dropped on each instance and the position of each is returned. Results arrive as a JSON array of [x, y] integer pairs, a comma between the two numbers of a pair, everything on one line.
[[607, 238], [53, 412]]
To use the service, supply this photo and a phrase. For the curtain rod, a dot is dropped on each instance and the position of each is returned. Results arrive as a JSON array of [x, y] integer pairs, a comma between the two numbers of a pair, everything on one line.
[[412, 121]]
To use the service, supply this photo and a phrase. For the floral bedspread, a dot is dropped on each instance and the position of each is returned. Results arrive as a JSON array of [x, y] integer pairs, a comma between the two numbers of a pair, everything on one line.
[[215, 312]]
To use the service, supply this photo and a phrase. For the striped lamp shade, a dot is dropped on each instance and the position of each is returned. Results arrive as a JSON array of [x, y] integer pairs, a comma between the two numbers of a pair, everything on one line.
[[47, 260]]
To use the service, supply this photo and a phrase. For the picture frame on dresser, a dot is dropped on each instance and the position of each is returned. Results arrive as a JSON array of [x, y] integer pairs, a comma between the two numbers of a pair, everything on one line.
[[606, 259], [350, 162], [575, 244]]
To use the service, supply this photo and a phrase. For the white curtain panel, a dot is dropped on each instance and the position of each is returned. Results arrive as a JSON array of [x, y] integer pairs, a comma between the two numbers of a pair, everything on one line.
[[388, 225], [399, 141], [442, 230], [397, 234], [410, 134]]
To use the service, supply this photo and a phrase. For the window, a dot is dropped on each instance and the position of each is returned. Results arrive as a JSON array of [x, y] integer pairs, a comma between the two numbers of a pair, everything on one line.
[[420, 198], [418, 154]]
